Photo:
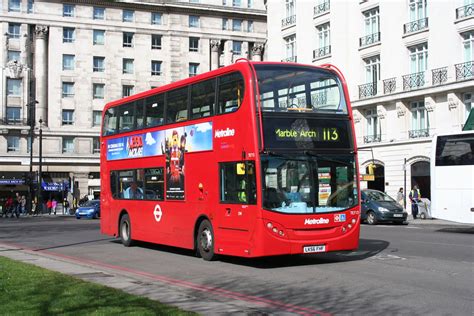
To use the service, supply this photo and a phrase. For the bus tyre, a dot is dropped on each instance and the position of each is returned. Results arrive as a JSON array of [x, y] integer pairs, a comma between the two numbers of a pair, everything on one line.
[[126, 231], [371, 219], [205, 241]]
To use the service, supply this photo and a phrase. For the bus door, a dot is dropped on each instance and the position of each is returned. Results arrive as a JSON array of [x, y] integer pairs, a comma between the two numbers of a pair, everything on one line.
[[237, 208]]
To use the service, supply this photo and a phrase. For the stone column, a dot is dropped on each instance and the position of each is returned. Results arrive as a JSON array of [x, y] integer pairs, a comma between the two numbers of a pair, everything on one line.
[[215, 44], [3, 110], [41, 72], [257, 51]]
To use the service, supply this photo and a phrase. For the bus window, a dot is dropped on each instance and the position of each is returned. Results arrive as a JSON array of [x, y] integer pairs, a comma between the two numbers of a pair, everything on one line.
[[231, 92], [126, 117], [203, 98], [154, 184], [154, 110], [110, 122], [177, 105], [237, 180], [113, 184], [140, 113]]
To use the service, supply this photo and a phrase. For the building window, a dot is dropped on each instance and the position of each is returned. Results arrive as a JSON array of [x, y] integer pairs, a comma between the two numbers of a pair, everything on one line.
[[324, 35], [31, 6], [127, 66], [128, 15], [68, 145], [289, 8], [290, 47], [372, 69], [236, 25], [14, 30], [68, 10], [98, 37], [155, 68], [13, 143], [468, 100], [373, 127], [237, 47], [417, 10], [13, 115], [193, 44], [99, 13], [127, 90], [68, 62], [127, 39], [418, 58], [68, 117], [13, 55], [419, 116], [224, 23], [96, 145], [249, 4], [98, 64], [250, 26], [193, 21], [96, 118], [155, 41], [468, 44], [68, 89], [193, 69], [236, 3], [14, 87], [98, 90], [14, 5], [69, 35], [371, 21], [156, 18]]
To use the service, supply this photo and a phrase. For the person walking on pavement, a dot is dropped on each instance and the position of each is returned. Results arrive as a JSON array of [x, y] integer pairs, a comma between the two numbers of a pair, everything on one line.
[[415, 197], [54, 204], [23, 205], [65, 207], [16, 205], [400, 197], [49, 206]]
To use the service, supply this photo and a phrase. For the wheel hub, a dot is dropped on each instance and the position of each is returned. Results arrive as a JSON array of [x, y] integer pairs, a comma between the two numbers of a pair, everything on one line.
[[206, 240]]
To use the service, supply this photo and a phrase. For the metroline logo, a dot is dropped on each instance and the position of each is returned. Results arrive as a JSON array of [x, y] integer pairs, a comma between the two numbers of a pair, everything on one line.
[[224, 133], [314, 221]]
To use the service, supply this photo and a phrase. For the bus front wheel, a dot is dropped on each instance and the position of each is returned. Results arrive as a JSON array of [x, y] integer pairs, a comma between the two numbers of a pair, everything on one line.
[[205, 241], [126, 231]]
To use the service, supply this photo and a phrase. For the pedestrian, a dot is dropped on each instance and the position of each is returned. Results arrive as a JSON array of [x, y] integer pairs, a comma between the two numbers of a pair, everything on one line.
[[65, 207], [8, 206], [33, 207], [16, 205], [54, 203], [49, 206], [401, 197], [415, 197], [23, 205]]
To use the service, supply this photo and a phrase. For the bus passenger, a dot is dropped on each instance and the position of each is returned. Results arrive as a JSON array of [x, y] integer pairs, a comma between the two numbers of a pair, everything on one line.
[[133, 192]]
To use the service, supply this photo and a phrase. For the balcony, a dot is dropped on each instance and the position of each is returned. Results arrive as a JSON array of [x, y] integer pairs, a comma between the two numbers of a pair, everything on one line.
[[415, 26], [372, 139], [321, 52], [291, 59], [389, 85], [367, 90], [13, 121], [418, 133], [465, 11], [323, 7], [439, 75], [413, 81], [464, 71], [369, 39], [288, 21]]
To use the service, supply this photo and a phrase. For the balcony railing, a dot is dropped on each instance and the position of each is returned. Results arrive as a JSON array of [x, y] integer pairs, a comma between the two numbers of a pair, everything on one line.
[[291, 59], [415, 26], [367, 90], [465, 11], [464, 71], [323, 51], [323, 7], [372, 139], [12, 121], [289, 20], [417, 133], [440, 75], [369, 39], [389, 85], [413, 81]]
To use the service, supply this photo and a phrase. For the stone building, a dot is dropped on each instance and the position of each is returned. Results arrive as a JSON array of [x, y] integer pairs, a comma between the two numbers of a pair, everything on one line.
[[66, 60], [408, 66]]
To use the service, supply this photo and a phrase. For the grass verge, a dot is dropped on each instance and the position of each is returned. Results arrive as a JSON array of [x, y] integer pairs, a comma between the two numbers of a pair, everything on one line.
[[29, 290]]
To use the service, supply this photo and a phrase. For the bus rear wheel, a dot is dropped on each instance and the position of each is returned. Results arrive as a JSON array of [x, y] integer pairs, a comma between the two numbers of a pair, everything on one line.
[[205, 241], [126, 231]]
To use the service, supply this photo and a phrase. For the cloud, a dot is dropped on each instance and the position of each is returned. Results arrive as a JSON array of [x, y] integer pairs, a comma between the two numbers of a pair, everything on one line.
[[203, 127], [149, 140]]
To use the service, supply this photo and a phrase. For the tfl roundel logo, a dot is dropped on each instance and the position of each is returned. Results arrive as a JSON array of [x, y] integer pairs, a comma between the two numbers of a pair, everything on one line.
[[339, 218]]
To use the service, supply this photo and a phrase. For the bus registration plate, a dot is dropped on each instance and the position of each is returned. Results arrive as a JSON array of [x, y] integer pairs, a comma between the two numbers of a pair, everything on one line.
[[316, 248]]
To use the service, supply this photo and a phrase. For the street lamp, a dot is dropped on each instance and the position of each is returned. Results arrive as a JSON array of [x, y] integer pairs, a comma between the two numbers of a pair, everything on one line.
[[40, 166], [31, 122]]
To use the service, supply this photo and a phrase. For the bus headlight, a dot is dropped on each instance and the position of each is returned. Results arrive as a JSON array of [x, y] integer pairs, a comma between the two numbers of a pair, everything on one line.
[[383, 209]]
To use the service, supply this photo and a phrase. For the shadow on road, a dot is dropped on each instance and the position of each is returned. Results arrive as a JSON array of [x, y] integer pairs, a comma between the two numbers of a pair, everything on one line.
[[457, 230]]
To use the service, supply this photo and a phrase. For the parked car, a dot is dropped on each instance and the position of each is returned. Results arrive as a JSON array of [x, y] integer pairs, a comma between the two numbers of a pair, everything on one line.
[[90, 209], [379, 207]]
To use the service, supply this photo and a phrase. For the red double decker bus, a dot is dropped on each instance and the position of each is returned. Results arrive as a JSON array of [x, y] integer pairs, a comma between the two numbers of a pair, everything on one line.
[[254, 159]]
